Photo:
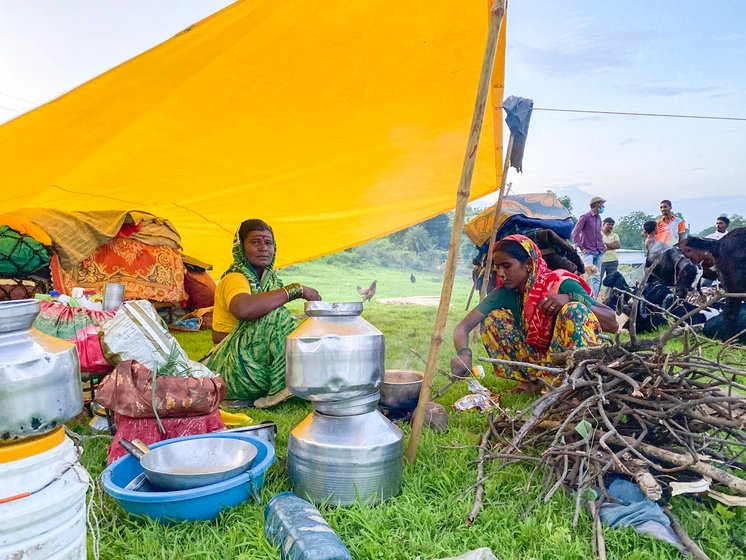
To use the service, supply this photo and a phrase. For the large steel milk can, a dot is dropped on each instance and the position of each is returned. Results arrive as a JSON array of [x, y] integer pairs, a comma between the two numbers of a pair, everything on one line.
[[40, 385], [335, 354]]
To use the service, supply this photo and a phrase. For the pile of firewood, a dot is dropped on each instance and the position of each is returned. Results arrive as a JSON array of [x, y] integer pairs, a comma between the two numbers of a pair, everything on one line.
[[635, 409]]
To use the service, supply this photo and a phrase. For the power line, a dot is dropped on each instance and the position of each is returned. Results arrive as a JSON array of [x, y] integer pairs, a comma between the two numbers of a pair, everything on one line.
[[10, 109], [670, 116]]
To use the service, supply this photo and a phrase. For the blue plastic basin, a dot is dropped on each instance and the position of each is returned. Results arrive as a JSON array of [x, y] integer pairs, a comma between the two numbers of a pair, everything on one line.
[[194, 504]]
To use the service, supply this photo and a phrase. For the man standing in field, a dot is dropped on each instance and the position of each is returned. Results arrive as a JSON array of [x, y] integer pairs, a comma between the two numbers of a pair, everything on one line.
[[721, 228], [586, 235], [610, 261], [671, 228]]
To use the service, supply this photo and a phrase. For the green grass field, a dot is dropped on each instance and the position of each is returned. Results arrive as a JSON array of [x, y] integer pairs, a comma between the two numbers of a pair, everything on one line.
[[428, 519]]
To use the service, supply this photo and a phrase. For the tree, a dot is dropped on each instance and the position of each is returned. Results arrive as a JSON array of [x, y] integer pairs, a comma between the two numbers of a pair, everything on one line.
[[629, 229], [417, 239], [439, 229], [564, 200]]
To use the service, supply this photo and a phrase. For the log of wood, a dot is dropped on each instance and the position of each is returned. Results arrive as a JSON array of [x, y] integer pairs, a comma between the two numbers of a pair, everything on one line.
[[716, 474], [642, 477]]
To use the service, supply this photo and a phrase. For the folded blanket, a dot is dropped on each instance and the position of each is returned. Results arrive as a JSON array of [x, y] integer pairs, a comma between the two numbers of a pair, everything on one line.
[[76, 235]]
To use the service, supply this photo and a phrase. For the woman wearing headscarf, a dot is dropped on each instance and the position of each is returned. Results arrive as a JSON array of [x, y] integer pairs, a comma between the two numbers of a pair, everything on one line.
[[250, 320], [533, 313]]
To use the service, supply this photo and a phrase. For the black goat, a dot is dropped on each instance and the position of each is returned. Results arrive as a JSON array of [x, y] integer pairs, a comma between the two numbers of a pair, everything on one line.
[[729, 253], [673, 268], [649, 318]]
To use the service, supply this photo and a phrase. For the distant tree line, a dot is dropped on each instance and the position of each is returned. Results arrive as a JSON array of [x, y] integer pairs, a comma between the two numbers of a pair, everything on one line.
[[423, 246]]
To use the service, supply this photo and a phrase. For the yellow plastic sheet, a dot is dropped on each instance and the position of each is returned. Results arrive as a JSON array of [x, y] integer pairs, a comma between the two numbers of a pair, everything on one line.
[[335, 121]]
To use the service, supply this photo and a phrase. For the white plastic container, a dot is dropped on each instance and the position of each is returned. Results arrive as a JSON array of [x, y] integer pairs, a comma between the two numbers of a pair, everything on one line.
[[51, 523], [32, 472]]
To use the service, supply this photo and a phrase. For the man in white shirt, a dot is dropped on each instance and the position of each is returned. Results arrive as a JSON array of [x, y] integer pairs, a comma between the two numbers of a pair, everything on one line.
[[721, 228]]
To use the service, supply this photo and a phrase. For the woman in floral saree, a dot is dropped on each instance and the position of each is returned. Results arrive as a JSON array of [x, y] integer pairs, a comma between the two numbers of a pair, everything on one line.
[[250, 320], [533, 313]]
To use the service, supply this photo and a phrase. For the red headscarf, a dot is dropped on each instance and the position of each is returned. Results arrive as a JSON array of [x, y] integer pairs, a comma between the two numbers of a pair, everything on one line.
[[540, 283]]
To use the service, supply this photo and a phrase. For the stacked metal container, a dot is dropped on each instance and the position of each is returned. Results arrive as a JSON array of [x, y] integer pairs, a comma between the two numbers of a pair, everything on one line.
[[42, 484], [345, 450]]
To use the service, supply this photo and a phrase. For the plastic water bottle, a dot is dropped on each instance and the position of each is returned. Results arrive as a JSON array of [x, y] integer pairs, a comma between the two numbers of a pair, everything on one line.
[[300, 531]]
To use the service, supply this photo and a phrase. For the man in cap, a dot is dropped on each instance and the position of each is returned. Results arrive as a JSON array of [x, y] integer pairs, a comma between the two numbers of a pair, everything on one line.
[[587, 237]]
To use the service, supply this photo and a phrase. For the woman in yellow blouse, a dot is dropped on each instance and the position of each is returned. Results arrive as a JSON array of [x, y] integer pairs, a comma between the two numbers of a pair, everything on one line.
[[250, 320]]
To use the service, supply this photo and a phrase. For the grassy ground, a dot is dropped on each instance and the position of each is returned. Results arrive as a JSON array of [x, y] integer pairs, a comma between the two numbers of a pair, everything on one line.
[[427, 519]]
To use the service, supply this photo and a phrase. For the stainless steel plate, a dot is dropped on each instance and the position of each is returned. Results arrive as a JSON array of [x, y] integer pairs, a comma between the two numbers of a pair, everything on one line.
[[333, 309]]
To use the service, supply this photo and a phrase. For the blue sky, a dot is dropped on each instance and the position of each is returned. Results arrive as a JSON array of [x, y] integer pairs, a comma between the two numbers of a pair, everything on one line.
[[665, 56], [678, 57]]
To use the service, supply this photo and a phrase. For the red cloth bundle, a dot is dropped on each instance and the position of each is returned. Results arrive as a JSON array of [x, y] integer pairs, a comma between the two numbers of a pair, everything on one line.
[[147, 430], [128, 390]]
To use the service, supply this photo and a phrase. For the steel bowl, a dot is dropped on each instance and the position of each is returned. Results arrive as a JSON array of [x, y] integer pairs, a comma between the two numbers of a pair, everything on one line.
[[191, 463], [401, 389]]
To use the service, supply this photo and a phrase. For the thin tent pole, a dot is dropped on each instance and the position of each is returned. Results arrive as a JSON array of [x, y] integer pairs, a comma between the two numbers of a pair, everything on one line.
[[498, 210], [462, 198]]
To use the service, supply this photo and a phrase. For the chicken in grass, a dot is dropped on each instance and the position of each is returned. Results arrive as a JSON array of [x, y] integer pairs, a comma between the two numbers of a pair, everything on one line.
[[367, 294]]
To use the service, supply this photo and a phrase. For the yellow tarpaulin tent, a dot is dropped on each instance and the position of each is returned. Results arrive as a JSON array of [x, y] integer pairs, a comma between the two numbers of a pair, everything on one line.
[[335, 121]]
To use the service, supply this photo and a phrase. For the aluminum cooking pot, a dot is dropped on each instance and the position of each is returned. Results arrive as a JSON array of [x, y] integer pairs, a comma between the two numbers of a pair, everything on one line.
[[193, 462], [401, 389]]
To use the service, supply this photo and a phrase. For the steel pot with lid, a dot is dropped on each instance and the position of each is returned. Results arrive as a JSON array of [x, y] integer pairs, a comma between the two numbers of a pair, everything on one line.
[[335, 354], [40, 385]]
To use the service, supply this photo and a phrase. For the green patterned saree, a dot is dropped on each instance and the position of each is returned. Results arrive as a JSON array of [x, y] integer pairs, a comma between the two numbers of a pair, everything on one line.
[[251, 359]]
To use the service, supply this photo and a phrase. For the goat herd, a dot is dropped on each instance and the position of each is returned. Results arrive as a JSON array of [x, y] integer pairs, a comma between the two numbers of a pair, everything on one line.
[[672, 279]]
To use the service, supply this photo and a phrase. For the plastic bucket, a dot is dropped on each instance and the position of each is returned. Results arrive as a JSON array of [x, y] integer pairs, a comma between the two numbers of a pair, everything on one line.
[[51, 523], [202, 503], [33, 466]]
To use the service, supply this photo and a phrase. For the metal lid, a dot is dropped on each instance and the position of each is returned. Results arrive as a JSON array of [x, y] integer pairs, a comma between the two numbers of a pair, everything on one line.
[[333, 308], [16, 315]]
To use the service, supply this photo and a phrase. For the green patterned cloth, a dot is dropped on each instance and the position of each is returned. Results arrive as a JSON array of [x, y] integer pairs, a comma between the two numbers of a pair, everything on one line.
[[20, 255], [251, 359]]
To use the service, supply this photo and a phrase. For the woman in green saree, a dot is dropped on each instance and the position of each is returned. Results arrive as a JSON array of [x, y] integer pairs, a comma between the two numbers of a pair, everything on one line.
[[250, 320]]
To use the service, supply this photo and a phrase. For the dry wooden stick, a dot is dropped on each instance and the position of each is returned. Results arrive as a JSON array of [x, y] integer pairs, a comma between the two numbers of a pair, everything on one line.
[[452, 379], [598, 531], [462, 197], [478, 499], [522, 364], [545, 402], [693, 548], [498, 211]]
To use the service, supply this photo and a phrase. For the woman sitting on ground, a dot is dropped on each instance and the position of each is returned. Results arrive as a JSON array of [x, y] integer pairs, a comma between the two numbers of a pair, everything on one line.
[[250, 322], [533, 313]]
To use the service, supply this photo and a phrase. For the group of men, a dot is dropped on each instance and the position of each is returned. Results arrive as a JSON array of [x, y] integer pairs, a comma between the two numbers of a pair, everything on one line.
[[597, 243]]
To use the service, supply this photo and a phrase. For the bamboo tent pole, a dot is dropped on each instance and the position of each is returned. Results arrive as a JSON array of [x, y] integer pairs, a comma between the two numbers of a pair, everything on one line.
[[498, 210], [462, 198]]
